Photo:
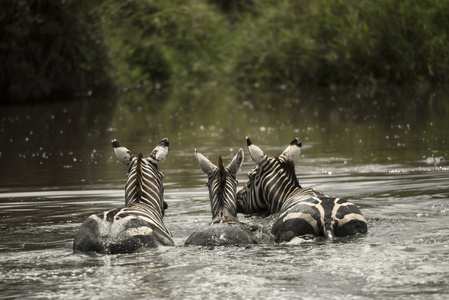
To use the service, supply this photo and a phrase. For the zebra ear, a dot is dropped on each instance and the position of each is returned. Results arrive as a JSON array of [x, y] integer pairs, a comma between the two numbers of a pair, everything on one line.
[[160, 153], [123, 155], [292, 151], [257, 155], [234, 166], [205, 164]]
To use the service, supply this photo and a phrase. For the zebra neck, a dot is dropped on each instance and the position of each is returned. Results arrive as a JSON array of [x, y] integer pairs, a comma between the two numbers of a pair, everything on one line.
[[134, 193], [144, 186], [278, 196], [154, 201], [222, 202], [151, 202]]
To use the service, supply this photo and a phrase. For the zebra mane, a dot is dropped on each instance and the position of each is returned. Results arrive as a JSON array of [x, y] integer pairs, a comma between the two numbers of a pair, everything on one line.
[[221, 173], [289, 167], [139, 176], [220, 193]]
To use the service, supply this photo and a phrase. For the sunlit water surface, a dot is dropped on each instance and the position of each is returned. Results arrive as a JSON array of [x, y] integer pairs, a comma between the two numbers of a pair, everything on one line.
[[57, 168]]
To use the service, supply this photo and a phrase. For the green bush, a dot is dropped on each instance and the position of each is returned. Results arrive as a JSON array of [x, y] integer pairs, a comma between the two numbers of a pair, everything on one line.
[[346, 42], [165, 41], [66, 47]]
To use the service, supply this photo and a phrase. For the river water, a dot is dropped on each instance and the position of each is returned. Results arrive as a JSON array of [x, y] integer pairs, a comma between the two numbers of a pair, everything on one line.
[[385, 150]]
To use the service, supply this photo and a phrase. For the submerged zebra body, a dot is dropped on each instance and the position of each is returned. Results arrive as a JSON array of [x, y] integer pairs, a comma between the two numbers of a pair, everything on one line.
[[225, 228], [273, 187], [139, 224]]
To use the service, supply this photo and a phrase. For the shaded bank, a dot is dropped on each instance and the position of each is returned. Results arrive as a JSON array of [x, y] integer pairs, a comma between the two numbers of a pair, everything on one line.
[[50, 49]]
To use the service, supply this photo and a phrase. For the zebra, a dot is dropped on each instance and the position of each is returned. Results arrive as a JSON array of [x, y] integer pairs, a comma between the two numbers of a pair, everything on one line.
[[137, 225], [273, 187], [225, 228]]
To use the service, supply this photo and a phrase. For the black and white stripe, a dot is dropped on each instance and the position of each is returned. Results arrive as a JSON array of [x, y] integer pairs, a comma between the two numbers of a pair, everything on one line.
[[273, 187], [140, 223], [225, 228]]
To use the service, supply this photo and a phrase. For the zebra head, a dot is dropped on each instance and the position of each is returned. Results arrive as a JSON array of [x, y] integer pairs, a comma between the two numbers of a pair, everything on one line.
[[222, 184], [252, 198], [144, 179]]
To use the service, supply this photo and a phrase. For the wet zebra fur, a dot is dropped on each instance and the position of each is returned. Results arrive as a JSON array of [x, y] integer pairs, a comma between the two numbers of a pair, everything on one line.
[[225, 228], [139, 224], [273, 187]]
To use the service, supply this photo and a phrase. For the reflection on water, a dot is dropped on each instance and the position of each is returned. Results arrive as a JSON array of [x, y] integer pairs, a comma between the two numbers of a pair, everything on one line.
[[379, 150], [41, 142]]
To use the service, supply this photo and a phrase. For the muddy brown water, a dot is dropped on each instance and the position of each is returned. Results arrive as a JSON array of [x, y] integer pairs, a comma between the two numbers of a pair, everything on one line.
[[386, 151]]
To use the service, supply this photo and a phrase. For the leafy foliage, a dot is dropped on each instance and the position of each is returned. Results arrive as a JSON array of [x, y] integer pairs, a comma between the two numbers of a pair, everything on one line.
[[65, 47], [347, 42]]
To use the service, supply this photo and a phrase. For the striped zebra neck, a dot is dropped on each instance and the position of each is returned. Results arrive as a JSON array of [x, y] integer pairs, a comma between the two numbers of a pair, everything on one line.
[[144, 185], [278, 181]]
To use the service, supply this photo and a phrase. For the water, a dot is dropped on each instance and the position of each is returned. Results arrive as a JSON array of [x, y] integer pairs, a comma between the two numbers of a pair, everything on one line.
[[375, 149]]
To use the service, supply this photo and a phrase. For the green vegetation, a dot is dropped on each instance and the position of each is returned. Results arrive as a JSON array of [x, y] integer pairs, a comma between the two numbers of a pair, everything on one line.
[[347, 42], [66, 47]]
